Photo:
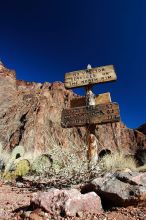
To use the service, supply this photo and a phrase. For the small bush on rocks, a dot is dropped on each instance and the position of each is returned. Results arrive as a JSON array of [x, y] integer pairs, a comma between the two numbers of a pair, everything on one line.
[[22, 168], [116, 162], [9, 176], [41, 164], [16, 153], [67, 163]]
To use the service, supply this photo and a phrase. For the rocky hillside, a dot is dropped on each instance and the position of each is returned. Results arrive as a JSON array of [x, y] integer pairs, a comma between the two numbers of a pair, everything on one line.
[[61, 185], [142, 128], [30, 115]]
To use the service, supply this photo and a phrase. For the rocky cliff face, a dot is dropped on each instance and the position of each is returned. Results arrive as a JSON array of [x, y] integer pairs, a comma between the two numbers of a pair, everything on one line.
[[30, 115]]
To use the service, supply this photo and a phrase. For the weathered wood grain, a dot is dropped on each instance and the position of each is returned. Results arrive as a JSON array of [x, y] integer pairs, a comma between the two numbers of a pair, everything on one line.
[[93, 76], [98, 114]]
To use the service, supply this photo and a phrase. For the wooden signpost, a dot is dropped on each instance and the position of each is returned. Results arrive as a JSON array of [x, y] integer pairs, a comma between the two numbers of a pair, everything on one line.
[[90, 110], [94, 114], [90, 76]]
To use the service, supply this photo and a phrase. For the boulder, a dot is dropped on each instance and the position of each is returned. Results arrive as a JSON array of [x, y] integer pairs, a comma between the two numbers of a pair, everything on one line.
[[67, 203], [118, 189]]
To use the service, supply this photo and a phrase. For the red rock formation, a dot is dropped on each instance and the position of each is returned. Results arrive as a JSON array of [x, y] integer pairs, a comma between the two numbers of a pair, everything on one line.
[[116, 136], [30, 115], [68, 202]]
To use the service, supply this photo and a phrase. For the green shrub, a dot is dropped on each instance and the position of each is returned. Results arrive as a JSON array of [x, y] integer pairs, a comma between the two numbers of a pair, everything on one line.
[[22, 168], [17, 152], [9, 176]]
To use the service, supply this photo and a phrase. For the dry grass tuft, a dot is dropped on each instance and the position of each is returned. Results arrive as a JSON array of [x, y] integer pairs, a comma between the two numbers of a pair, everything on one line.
[[117, 162]]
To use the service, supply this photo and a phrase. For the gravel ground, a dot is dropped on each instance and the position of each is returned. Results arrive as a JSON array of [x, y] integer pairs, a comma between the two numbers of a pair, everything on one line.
[[15, 200]]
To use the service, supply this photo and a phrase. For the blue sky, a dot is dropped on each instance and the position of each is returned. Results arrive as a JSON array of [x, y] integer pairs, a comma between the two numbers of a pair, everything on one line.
[[43, 39]]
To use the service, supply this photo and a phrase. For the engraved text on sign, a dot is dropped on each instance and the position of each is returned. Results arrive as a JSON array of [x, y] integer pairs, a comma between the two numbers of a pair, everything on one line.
[[92, 76], [98, 114]]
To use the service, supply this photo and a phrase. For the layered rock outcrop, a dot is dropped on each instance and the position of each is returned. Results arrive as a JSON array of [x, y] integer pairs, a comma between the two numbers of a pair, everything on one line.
[[30, 115]]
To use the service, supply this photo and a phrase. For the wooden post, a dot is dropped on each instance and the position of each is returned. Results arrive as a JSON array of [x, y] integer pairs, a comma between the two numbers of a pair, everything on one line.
[[90, 113], [91, 138]]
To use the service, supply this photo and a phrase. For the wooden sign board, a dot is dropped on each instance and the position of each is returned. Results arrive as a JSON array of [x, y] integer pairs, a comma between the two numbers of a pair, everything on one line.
[[98, 114], [99, 99], [92, 76]]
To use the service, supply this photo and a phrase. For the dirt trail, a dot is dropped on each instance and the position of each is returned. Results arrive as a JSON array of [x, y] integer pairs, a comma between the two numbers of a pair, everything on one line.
[[14, 198]]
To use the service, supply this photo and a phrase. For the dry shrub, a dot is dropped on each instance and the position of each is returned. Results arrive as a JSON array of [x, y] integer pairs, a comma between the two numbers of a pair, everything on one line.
[[116, 162], [66, 162], [42, 163]]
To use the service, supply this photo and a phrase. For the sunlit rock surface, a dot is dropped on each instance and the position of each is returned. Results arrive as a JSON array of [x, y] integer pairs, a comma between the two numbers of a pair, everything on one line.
[[30, 115]]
